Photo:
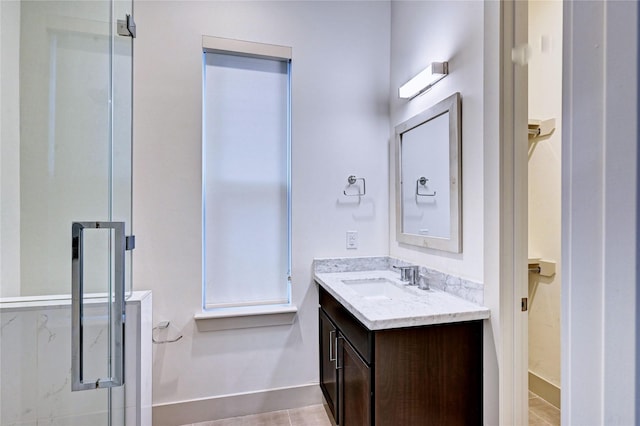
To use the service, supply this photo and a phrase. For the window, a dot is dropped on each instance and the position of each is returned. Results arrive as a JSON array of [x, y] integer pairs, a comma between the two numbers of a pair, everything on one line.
[[246, 174]]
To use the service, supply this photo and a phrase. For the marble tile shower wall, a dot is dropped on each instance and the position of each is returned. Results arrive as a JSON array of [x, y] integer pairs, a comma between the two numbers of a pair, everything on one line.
[[35, 366], [36, 363], [465, 289]]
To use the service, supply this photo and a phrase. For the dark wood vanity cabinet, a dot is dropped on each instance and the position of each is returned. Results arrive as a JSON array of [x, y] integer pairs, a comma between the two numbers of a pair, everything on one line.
[[328, 357], [354, 379], [427, 375]]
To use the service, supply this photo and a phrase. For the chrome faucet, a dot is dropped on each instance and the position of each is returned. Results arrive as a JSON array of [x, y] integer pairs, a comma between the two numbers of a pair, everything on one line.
[[409, 274]]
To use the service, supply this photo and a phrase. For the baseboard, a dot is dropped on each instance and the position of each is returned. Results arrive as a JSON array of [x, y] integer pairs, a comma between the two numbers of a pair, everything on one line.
[[544, 389], [222, 407]]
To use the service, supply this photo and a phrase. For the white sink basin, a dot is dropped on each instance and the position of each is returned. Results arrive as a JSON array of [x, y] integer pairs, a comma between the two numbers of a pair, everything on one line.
[[375, 288]]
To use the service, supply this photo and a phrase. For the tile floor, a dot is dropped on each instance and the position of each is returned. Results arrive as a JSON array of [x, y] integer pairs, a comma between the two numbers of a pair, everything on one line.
[[313, 415], [541, 413]]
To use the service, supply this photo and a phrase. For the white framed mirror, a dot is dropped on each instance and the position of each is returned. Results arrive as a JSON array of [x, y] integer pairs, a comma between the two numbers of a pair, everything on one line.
[[428, 177]]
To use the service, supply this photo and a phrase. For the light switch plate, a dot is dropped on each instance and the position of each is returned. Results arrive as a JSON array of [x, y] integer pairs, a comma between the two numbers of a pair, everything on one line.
[[352, 239]]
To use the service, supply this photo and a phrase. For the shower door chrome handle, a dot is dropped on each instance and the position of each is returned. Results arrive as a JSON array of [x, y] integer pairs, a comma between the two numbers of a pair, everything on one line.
[[115, 302]]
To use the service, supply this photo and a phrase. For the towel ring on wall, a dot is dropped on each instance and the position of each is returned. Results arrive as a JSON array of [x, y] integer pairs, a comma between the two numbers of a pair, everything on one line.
[[352, 180], [423, 181]]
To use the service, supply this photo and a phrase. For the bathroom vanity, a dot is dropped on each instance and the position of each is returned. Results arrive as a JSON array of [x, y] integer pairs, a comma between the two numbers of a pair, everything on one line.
[[392, 354]]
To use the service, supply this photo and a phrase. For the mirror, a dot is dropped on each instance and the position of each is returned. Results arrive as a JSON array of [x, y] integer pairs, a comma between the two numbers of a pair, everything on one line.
[[428, 193]]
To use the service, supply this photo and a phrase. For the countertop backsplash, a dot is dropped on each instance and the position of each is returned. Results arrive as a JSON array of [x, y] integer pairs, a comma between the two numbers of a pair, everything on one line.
[[460, 287]]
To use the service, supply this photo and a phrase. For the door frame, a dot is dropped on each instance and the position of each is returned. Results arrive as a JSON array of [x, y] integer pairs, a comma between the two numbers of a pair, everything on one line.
[[600, 357], [513, 210]]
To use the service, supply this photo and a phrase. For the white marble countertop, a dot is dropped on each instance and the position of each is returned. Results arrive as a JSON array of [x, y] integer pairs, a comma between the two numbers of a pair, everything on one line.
[[414, 307]]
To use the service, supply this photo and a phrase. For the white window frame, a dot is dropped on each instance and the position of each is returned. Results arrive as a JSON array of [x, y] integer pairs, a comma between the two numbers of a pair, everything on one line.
[[260, 51]]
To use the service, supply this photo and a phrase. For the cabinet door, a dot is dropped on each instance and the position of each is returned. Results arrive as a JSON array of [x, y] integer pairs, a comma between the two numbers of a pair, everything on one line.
[[355, 386], [429, 375], [328, 356]]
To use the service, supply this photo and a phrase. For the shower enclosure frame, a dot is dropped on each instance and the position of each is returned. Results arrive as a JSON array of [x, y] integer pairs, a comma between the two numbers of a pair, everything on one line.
[[75, 77]]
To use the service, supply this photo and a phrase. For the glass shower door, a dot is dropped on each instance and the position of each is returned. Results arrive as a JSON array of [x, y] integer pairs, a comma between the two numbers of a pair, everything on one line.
[[74, 210]]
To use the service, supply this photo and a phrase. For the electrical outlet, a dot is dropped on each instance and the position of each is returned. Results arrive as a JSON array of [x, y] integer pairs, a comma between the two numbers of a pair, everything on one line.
[[352, 239]]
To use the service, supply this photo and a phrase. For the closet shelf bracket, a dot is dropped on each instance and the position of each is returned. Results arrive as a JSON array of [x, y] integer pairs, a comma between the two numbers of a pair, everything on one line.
[[541, 128]]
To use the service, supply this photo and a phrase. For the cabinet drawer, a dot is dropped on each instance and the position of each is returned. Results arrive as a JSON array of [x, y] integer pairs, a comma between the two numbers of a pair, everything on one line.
[[358, 335]]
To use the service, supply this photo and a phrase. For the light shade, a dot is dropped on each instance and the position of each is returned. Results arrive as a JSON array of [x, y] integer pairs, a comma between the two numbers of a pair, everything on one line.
[[422, 82]]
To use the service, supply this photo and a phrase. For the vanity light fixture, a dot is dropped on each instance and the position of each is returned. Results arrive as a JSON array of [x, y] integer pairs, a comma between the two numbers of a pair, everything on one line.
[[422, 82]]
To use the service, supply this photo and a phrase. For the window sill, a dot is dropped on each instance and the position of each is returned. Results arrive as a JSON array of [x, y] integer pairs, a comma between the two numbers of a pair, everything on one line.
[[245, 317]]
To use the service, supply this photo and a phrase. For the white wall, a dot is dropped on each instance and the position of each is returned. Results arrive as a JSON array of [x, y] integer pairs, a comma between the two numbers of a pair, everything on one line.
[[56, 148], [545, 156], [64, 146], [340, 127], [422, 32], [491, 224], [10, 148]]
